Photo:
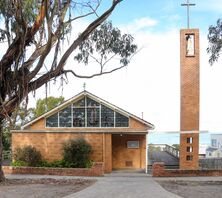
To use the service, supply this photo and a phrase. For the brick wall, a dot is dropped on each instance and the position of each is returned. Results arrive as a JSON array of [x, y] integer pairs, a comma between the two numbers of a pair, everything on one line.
[[50, 144], [158, 170], [49, 141], [96, 170], [189, 116]]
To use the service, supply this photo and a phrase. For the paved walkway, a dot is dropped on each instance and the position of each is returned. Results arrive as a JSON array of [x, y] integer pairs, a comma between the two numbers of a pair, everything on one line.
[[118, 185], [124, 185]]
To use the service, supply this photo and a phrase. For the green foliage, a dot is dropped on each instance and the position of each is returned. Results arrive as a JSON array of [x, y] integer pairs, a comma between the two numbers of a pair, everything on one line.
[[27, 155], [6, 139], [76, 153], [106, 42], [19, 117], [154, 148], [28, 8], [89, 164], [176, 146], [54, 164], [46, 104], [19, 163], [62, 164], [215, 41]]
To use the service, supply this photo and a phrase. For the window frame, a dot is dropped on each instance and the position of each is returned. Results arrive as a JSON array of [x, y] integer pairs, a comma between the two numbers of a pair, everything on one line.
[[133, 141], [189, 140], [189, 149], [86, 120]]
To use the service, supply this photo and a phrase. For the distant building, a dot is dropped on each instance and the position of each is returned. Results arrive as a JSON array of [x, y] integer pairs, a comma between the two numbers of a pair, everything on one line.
[[213, 152], [216, 141], [215, 149], [202, 150]]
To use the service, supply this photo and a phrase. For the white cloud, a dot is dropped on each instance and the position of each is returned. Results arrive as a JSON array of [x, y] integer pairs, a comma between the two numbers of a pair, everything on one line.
[[140, 24]]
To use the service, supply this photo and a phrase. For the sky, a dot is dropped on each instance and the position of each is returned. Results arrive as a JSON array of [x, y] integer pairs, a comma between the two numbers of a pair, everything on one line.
[[151, 82]]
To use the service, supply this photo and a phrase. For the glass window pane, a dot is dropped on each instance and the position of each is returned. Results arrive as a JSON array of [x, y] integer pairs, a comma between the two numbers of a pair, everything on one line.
[[65, 118], [214, 143], [92, 103], [92, 117], [121, 120], [107, 117], [189, 140], [78, 117], [133, 144], [52, 121], [79, 103]]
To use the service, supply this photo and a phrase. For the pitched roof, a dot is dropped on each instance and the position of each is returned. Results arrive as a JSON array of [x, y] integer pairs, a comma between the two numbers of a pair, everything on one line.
[[211, 149], [96, 98]]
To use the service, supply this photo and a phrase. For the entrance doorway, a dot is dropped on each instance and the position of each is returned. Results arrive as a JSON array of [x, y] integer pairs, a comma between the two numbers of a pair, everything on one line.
[[128, 151]]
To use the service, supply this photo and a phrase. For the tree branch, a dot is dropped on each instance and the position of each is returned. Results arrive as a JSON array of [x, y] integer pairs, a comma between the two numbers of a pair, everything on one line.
[[85, 34], [18, 94], [13, 50], [93, 75]]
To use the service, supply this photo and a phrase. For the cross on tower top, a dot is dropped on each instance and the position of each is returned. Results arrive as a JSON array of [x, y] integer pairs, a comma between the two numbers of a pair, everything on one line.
[[84, 86], [188, 4]]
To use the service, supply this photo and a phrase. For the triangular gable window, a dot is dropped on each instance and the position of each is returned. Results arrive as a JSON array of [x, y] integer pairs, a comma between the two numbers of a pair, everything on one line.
[[121, 120], [87, 112], [52, 121], [107, 117], [65, 117]]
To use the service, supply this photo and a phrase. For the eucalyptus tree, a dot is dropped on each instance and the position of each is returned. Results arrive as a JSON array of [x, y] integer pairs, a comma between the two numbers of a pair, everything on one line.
[[32, 36], [215, 41]]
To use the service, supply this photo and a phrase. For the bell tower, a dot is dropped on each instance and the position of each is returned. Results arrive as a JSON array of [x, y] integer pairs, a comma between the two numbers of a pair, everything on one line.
[[189, 101]]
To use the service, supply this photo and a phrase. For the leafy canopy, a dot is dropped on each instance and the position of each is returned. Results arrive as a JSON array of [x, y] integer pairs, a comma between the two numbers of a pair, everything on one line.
[[46, 104], [104, 43], [215, 41], [36, 30]]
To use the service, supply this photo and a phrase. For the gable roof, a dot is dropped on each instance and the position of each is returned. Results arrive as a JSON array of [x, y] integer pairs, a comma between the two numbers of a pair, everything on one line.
[[96, 98], [211, 149]]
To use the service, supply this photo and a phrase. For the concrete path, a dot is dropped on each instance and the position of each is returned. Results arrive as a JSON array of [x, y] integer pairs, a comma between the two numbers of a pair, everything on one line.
[[124, 185], [115, 185]]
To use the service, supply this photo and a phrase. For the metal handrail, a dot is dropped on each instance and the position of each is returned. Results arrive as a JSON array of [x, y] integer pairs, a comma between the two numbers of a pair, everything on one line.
[[169, 149], [172, 150]]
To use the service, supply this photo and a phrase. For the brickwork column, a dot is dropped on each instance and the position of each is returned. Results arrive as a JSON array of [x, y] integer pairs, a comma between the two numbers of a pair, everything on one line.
[[107, 151], [189, 108]]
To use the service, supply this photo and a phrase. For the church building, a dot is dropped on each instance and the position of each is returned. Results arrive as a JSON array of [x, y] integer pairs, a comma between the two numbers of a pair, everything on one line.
[[118, 138]]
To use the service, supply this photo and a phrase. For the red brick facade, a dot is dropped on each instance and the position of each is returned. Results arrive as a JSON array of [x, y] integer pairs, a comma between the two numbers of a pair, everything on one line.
[[96, 170], [159, 170], [109, 144], [189, 120]]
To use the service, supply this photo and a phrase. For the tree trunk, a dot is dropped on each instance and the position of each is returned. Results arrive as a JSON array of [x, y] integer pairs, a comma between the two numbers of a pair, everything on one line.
[[2, 177]]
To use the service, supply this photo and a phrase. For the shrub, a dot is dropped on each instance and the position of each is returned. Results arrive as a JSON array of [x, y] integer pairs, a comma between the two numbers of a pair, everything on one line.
[[18, 163], [54, 164], [27, 156], [76, 153]]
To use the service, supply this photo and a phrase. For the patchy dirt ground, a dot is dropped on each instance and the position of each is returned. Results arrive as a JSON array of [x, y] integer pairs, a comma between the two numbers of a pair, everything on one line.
[[38, 188], [191, 189]]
